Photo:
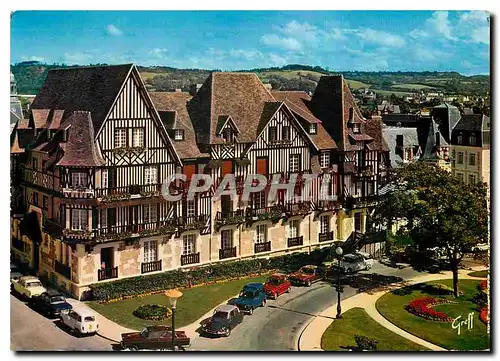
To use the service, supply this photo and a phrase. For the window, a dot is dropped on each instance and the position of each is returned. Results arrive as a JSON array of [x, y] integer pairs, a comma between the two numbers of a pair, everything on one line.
[[355, 128], [293, 228], [190, 208], [150, 175], [326, 186], [313, 128], [79, 219], [45, 203], [294, 162], [472, 179], [460, 176], [34, 164], [324, 224], [188, 244], [104, 218], [149, 213], [272, 134], [460, 159], [407, 155], [259, 200], [351, 114], [226, 239], [78, 180], [324, 160], [453, 153], [459, 139], [472, 159], [228, 135], [178, 134], [371, 188], [285, 133], [104, 178], [357, 222], [472, 140], [35, 199], [150, 251], [261, 233], [120, 138], [138, 137]]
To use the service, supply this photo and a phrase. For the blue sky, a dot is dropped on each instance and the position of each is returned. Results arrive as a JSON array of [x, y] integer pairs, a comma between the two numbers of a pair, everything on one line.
[[229, 40]]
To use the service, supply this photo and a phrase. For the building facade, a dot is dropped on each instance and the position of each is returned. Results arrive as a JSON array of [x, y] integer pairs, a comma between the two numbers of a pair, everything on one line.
[[89, 163]]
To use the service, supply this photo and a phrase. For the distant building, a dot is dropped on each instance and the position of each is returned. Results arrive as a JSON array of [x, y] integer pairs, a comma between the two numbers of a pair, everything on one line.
[[388, 108]]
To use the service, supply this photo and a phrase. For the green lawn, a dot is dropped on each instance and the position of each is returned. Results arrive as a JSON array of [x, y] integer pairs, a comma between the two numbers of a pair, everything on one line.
[[482, 274], [391, 306], [340, 334], [356, 84], [390, 92], [194, 303], [410, 86]]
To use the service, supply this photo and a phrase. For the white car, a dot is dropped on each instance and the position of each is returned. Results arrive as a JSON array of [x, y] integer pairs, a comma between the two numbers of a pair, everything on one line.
[[480, 247], [27, 286], [81, 320], [354, 262], [368, 259]]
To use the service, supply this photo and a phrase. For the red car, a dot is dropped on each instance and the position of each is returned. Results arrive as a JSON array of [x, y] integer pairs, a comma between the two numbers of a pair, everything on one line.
[[276, 285], [154, 338], [306, 275]]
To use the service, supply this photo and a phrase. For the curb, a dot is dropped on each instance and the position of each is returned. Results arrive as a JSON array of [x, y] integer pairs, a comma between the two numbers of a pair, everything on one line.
[[107, 338]]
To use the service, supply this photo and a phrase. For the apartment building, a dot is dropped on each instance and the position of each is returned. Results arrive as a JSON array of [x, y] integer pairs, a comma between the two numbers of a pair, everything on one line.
[[89, 163]]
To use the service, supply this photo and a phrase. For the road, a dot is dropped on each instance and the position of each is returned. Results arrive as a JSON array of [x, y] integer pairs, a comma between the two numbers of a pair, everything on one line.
[[30, 331], [276, 327]]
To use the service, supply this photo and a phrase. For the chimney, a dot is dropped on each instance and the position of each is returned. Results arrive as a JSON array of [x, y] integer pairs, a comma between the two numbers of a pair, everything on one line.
[[194, 89]]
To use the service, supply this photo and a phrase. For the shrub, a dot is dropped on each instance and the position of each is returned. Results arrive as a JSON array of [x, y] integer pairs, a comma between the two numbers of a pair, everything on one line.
[[483, 315], [422, 307], [483, 285], [365, 343], [153, 312], [156, 283]]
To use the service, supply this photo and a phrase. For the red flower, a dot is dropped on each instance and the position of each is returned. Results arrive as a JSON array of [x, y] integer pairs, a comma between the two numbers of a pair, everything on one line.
[[422, 307], [483, 285], [483, 316]]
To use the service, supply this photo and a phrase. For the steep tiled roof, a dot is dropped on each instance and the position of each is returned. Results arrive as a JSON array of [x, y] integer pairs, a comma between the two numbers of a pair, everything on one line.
[[92, 89], [172, 107], [270, 108], [472, 122], [410, 140], [373, 127]]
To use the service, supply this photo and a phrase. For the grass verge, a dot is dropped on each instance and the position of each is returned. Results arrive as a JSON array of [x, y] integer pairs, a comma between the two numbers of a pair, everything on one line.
[[482, 274], [194, 303], [392, 304]]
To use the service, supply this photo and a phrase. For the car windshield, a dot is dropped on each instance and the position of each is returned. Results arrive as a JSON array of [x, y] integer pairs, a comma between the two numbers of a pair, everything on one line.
[[57, 299], [248, 294], [34, 284], [220, 315], [90, 318], [307, 271], [273, 281], [144, 333]]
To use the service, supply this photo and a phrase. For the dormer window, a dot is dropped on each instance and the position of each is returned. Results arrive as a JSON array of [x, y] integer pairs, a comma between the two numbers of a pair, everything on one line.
[[178, 134], [228, 135], [272, 134], [324, 160], [472, 140], [313, 128], [79, 180], [459, 139], [356, 128]]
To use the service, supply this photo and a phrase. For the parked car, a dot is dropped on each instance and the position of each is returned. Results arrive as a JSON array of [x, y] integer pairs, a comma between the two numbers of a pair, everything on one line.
[[251, 297], [52, 304], [306, 275], [154, 338], [15, 272], [353, 262], [481, 247], [224, 319], [276, 285], [81, 320], [27, 286], [368, 259]]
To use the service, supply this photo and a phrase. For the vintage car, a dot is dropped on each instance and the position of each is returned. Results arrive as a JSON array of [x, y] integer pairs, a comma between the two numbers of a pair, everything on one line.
[[368, 259], [354, 262], [224, 319], [481, 247], [27, 286], [51, 304], [251, 297], [154, 338], [276, 285], [81, 320], [306, 275]]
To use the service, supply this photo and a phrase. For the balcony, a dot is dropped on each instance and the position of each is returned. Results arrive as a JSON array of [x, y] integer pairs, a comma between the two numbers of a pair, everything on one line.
[[262, 247], [227, 253], [228, 218], [295, 241], [62, 269], [107, 273], [147, 267], [113, 233], [116, 194], [324, 205], [77, 233], [273, 213], [359, 201], [297, 209], [190, 258], [191, 223], [326, 236], [364, 171]]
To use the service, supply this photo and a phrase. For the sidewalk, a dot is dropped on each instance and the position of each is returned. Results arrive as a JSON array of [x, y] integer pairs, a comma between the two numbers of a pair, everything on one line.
[[310, 338]]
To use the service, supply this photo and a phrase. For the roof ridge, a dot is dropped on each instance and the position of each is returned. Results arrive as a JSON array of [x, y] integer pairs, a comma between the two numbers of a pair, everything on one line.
[[92, 66]]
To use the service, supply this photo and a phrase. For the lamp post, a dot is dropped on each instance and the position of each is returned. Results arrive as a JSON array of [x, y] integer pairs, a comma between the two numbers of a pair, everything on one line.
[[339, 252], [173, 296]]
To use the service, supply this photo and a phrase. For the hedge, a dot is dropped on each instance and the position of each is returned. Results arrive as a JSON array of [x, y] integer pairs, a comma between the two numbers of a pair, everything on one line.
[[140, 285]]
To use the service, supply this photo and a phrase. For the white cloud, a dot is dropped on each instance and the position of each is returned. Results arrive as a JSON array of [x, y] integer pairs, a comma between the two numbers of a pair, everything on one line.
[[380, 37], [158, 52], [281, 42], [77, 58], [113, 30], [32, 58], [441, 24], [301, 31], [475, 26], [245, 54], [418, 33], [427, 54], [277, 60]]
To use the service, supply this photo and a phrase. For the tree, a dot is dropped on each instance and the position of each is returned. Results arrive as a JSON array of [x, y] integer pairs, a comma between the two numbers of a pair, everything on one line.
[[440, 209]]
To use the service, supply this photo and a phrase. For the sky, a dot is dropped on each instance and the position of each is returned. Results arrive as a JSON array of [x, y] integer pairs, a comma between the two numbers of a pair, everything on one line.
[[232, 40]]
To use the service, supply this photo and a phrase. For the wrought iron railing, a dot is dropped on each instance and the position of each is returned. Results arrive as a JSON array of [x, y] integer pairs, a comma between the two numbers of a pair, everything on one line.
[[262, 247], [107, 273], [227, 253], [295, 241], [326, 236], [190, 258], [154, 266]]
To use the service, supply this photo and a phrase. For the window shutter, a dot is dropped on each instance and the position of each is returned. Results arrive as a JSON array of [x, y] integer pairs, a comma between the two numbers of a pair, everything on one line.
[[227, 167], [189, 170], [262, 166]]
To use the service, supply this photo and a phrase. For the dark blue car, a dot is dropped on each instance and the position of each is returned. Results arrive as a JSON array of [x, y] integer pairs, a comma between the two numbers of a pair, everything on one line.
[[251, 297]]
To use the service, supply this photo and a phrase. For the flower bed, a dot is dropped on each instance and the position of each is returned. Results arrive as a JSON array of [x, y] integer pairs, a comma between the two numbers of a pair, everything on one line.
[[153, 312], [483, 286], [422, 307], [483, 316]]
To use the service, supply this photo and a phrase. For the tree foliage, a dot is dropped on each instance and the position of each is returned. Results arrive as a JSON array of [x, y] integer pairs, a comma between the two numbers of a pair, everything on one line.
[[441, 210]]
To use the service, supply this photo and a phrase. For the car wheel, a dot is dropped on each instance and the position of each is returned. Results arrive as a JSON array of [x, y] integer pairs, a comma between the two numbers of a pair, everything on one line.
[[288, 289], [263, 303], [134, 348], [275, 295], [308, 284], [368, 267], [228, 333], [250, 311]]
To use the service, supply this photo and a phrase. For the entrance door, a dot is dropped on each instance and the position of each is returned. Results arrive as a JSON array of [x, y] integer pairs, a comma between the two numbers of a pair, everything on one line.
[[226, 204], [107, 257]]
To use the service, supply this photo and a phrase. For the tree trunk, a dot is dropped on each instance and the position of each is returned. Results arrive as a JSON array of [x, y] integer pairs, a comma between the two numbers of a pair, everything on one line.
[[454, 270]]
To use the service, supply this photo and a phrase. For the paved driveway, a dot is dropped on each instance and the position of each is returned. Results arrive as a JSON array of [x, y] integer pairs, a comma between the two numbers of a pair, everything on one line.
[[30, 331]]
